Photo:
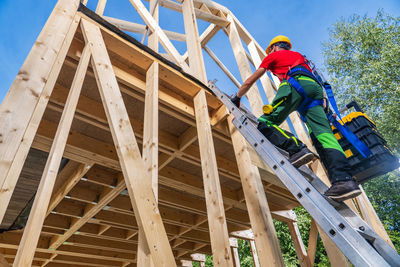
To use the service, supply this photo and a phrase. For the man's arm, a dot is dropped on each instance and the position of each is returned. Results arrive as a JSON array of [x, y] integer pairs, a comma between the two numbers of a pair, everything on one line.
[[250, 81]]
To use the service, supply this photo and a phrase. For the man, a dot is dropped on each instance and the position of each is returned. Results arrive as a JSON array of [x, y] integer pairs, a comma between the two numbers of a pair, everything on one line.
[[280, 61]]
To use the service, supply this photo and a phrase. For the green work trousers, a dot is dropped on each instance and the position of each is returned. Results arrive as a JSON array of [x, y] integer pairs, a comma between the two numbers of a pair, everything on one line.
[[328, 148]]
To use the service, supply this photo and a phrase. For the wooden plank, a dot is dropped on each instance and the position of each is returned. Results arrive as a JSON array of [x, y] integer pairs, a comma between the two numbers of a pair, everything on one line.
[[139, 28], [200, 14], [222, 255], [154, 27], [89, 212], [101, 5], [196, 61], [257, 204], [205, 37], [34, 225], [244, 67], [153, 36], [299, 245], [132, 165], [71, 181], [312, 242], [235, 252], [254, 254], [150, 150], [30, 92]]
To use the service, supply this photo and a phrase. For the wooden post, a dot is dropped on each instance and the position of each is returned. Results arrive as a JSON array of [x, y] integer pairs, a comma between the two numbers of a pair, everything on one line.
[[260, 216], [150, 134], [133, 168], [150, 150], [38, 213], [196, 61], [30, 92], [254, 254], [154, 27], [101, 5], [222, 255], [312, 242], [244, 67], [234, 246], [298, 244]]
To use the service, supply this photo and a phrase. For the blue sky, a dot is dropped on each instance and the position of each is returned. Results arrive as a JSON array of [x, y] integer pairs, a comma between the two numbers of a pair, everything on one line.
[[306, 23]]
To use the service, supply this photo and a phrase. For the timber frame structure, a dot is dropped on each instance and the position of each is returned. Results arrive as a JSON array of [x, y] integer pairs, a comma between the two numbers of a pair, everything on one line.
[[70, 127]]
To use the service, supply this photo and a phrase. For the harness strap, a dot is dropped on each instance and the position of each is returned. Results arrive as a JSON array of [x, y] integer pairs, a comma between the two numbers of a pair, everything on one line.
[[307, 102]]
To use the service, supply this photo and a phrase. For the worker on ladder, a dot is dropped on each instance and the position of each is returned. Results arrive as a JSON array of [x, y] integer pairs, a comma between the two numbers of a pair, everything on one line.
[[300, 91]]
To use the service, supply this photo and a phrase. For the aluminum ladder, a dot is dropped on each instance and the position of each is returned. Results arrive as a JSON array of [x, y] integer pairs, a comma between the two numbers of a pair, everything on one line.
[[353, 236]]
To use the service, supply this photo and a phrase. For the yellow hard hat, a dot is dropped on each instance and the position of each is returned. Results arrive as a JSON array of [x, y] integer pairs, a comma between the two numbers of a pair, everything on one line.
[[277, 39]]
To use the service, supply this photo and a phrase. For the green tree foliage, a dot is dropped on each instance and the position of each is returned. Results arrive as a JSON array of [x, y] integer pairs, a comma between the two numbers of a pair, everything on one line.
[[362, 58]]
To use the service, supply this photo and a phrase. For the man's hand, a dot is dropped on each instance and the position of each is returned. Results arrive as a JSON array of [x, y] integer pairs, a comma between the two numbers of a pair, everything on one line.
[[236, 100]]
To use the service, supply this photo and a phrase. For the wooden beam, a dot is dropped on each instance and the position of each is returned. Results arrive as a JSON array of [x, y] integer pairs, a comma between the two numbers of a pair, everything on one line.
[[312, 242], [254, 254], [234, 247], [205, 37], [299, 245], [200, 14], [68, 184], [101, 5], [150, 150], [153, 36], [30, 92], [256, 201], [34, 225], [142, 197], [196, 61], [139, 28], [154, 27], [90, 211], [244, 67], [215, 209]]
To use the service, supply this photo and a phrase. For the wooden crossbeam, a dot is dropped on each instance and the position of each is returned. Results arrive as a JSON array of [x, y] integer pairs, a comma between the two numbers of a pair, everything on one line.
[[140, 28], [200, 14], [89, 211], [142, 197], [33, 227], [68, 184], [154, 27]]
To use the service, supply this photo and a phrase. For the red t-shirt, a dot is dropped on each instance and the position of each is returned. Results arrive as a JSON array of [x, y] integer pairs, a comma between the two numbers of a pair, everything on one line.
[[280, 61]]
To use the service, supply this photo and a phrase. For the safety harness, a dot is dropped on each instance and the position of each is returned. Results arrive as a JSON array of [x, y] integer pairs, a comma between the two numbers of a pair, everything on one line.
[[309, 103]]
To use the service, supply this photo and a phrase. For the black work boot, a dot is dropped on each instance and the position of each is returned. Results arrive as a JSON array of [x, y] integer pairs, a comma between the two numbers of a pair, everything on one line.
[[343, 190], [302, 157]]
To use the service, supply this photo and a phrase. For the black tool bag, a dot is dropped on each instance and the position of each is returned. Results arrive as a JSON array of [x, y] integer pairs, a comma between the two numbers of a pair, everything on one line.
[[381, 160]]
